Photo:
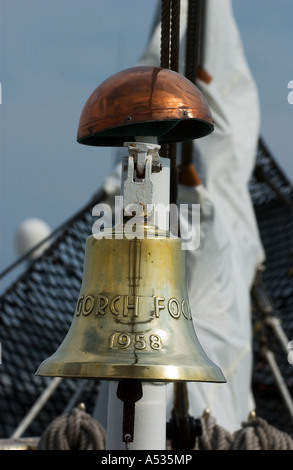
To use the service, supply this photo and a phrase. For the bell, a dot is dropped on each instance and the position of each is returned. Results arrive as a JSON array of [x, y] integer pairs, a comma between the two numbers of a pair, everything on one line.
[[132, 317]]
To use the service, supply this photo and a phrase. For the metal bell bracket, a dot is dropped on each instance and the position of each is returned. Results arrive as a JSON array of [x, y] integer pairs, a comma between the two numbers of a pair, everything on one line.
[[139, 183]]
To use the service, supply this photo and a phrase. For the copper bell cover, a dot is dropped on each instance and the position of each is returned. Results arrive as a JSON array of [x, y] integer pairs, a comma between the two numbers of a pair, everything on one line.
[[132, 317], [144, 101]]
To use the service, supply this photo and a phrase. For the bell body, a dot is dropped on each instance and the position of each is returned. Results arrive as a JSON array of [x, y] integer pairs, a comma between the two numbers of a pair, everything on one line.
[[132, 318]]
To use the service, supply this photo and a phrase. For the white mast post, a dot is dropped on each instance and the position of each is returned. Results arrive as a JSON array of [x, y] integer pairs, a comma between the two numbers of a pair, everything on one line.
[[150, 410]]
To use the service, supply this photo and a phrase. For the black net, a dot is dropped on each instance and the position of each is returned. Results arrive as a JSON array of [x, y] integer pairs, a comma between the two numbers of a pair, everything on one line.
[[272, 195], [36, 313]]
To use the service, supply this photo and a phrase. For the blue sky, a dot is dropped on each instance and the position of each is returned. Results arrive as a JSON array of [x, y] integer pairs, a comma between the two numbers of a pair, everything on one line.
[[54, 53]]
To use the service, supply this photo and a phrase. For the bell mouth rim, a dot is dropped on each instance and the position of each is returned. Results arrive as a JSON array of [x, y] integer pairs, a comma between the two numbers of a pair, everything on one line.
[[138, 376], [145, 373]]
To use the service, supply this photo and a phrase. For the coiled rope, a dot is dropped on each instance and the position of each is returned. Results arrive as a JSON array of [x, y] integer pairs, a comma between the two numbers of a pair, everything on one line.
[[255, 434], [213, 436], [77, 430]]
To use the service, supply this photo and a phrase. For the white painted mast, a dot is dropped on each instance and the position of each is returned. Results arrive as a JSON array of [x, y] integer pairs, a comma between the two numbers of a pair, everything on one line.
[[150, 409]]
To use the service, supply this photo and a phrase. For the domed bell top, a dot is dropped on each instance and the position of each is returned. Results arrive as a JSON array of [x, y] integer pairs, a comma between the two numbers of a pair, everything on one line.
[[144, 101]]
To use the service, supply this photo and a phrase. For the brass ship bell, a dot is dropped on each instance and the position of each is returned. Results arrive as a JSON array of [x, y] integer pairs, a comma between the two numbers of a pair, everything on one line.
[[132, 318]]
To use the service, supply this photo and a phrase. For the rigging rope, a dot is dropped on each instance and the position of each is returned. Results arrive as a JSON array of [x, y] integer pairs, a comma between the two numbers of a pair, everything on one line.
[[170, 41], [175, 35], [193, 57], [165, 33], [170, 46], [170, 31]]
